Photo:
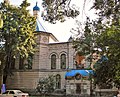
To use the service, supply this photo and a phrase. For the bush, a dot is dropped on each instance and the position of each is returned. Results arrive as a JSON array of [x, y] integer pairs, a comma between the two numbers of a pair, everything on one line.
[[46, 85]]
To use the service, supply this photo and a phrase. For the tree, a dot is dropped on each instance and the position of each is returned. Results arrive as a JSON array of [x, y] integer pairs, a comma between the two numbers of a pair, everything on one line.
[[108, 37], [1, 66], [57, 10], [85, 39], [108, 27], [106, 30], [16, 35]]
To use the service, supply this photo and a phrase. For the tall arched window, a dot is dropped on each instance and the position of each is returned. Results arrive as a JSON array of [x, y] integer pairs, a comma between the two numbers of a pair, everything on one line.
[[58, 81], [53, 61], [63, 61]]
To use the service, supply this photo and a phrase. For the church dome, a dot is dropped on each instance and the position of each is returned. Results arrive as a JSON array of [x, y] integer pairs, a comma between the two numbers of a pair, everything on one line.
[[36, 7]]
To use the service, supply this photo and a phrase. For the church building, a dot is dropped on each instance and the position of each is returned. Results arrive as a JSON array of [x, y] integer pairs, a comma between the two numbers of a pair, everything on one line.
[[51, 58]]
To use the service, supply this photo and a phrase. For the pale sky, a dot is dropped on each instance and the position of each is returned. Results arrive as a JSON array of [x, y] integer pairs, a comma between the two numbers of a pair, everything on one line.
[[61, 30]]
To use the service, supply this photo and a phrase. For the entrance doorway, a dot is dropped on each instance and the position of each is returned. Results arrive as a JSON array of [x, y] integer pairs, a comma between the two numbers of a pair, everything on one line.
[[78, 88]]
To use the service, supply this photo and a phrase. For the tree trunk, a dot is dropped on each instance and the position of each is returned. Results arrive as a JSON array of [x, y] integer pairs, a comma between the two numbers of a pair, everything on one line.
[[1, 74], [4, 79], [0, 82], [7, 69]]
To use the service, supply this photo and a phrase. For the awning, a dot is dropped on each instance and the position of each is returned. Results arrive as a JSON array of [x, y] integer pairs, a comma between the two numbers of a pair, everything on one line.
[[83, 73]]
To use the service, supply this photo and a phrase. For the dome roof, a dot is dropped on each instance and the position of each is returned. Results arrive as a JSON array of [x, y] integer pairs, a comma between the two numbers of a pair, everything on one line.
[[36, 7]]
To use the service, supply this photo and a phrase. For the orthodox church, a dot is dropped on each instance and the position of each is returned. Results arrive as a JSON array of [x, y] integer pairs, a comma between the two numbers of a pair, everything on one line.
[[51, 58]]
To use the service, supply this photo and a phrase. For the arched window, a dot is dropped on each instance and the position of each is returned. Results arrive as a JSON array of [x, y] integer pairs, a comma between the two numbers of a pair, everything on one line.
[[63, 61], [53, 61], [58, 81]]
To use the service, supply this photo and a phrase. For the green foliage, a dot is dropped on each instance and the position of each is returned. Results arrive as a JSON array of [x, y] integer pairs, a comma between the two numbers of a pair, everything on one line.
[[1, 21], [17, 31], [108, 39], [104, 76], [85, 41], [46, 84], [57, 10], [106, 32], [107, 8], [110, 43], [117, 75], [16, 35]]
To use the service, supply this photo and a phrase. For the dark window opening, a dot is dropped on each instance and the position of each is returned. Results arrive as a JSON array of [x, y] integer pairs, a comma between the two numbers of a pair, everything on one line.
[[53, 61], [58, 81], [63, 61]]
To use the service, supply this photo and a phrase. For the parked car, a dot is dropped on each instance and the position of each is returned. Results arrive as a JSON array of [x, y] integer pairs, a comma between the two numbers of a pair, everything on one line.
[[14, 93]]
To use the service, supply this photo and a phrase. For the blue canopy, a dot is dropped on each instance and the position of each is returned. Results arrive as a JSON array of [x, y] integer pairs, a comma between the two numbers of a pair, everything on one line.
[[83, 73]]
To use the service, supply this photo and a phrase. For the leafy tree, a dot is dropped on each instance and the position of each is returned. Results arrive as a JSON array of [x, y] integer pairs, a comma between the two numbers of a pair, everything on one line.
[[1, 66], [110, 43], [16, 34], [108, 27], [57, 10], [106, 30], [46, 85], [85, 42]]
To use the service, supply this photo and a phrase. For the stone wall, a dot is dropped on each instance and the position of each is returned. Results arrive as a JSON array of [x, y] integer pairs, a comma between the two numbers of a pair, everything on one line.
[[29, 79]]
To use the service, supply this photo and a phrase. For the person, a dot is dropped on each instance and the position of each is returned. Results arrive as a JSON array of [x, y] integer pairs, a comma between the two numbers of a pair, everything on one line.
[[3, 88]]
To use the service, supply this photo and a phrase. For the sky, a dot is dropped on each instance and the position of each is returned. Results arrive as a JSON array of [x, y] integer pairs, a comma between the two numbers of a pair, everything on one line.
[[61, 30]]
